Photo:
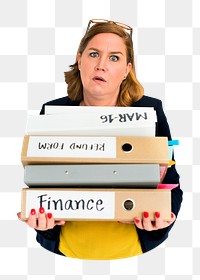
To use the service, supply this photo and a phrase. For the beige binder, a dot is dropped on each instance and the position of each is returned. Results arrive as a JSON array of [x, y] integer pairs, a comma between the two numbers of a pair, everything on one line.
[[97, 204], [119, 149]]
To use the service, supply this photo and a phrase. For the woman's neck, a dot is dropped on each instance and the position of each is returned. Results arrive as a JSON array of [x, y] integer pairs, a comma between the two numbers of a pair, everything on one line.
[[86, 102]]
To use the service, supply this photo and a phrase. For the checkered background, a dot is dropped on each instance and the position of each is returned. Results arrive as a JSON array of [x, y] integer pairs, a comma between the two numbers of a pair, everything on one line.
[[38, 40]]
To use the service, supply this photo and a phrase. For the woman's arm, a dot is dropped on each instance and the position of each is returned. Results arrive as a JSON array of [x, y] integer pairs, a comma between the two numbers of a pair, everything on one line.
[[154, 237]]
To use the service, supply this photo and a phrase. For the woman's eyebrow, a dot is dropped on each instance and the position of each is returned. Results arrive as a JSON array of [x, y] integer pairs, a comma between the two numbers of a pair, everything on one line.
[[113, 52]]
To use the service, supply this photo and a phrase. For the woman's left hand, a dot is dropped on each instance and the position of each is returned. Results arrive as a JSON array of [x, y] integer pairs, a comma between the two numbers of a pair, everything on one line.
[[146, 224]]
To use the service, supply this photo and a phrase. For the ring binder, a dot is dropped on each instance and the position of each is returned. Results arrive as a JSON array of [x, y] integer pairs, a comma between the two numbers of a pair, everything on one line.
[[119, 149], [132, 175], [98, 204]]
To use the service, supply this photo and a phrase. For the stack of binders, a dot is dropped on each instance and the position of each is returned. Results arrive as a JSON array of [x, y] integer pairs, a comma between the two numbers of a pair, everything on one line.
[[95, 163]]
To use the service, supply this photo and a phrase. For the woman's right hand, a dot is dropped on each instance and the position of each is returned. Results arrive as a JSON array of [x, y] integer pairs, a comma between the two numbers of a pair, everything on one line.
[[42, 221]]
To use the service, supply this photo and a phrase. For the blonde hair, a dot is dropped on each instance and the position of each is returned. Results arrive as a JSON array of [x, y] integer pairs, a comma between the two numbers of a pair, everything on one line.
[[130, 90]]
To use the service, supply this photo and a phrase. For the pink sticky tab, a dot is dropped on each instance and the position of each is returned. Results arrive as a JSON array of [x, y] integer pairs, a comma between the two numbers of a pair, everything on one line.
[[167, 186]]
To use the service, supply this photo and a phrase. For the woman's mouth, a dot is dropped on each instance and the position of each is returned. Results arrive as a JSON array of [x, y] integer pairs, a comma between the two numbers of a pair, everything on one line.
[[99, 79]]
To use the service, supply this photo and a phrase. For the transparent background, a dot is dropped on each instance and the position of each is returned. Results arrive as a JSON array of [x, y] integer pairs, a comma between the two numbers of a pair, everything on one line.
[[38, 41]]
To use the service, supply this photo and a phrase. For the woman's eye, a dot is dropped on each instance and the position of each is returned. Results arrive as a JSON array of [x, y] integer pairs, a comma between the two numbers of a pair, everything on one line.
[[94, 54], [114, 58]]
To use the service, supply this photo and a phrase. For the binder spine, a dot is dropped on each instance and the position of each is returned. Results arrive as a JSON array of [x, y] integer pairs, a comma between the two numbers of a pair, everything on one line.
[[121, 149], [108, 205]]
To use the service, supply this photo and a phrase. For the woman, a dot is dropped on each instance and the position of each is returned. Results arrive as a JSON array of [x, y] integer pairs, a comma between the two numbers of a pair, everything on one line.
[[104, 75]]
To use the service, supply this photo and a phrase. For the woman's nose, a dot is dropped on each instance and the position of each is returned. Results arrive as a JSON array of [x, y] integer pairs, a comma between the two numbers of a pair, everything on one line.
[[101, 65], [100, 68]]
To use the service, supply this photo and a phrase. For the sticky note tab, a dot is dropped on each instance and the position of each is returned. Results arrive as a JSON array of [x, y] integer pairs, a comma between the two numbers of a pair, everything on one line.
[[173, 142], [167, 186]]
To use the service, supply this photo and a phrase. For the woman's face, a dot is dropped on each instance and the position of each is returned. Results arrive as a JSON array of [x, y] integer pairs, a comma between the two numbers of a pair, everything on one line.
[[103, 66]]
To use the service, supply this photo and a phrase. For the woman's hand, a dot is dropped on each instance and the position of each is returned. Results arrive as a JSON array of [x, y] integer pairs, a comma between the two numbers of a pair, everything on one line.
[[146, 224], [44, 221]]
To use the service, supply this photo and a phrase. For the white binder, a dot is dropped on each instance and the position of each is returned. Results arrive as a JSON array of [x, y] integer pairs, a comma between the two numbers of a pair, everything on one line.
[[95, 121]]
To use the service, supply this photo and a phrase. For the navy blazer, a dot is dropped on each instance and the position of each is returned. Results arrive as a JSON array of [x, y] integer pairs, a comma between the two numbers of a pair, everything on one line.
[[49, 239]]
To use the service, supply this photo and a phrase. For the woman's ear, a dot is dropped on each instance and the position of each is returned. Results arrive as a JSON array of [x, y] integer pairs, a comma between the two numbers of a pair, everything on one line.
[[128, 68], [78, 57]]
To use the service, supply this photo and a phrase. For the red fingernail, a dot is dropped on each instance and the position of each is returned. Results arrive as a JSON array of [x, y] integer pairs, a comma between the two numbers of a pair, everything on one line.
[[137, 220], [172, 215], [157, 214], [146, 214], [33, 212], [49, 215], [41, 210]]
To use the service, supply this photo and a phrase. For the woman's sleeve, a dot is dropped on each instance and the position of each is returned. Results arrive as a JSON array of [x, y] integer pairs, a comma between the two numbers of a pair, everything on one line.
[[172, 176], [49, 239], [151, 239]]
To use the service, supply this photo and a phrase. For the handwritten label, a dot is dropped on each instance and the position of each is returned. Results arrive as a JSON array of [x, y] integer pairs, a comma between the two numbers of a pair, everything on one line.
[[123, 118], [72, 204], [72, 147], [123, 114]]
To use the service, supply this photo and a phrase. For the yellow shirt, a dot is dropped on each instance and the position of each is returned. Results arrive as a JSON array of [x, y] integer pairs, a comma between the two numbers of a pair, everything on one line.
[[99, 240]]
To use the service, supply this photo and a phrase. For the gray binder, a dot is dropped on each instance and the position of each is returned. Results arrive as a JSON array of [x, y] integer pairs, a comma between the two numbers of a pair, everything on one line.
[[135, 175]]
